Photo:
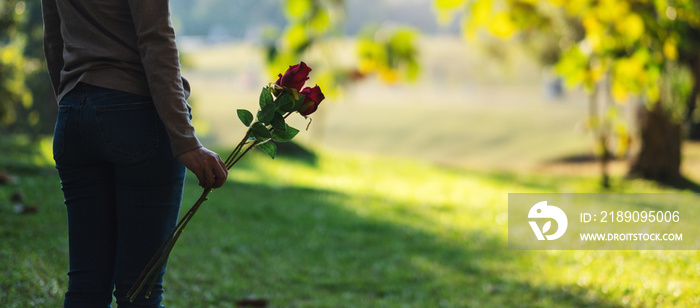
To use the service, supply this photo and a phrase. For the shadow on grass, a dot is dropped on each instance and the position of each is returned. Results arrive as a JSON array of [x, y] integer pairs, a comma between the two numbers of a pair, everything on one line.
[[678, 182], [682, 183], [295, 151], [299, 247], [303, 247]]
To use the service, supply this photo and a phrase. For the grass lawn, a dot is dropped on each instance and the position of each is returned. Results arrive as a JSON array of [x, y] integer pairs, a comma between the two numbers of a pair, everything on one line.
[[404, 205], [338, 230]]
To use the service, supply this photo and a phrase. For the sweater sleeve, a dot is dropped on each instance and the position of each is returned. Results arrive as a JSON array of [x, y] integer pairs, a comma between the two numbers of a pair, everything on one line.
[[53, 42], [159, 55]]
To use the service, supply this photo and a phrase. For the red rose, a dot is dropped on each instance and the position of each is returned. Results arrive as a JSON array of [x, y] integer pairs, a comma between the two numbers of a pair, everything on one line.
[[295, 76], [312, 98]]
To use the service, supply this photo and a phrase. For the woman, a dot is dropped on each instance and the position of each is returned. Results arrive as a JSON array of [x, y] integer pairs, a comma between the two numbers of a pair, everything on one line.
[[122, 141]]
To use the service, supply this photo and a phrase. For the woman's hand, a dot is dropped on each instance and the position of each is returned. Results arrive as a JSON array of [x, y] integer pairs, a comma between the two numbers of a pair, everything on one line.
[[206, 165]]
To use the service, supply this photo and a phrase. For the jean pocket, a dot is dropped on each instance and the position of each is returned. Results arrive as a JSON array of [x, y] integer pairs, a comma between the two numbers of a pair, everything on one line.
[[59, 132], [128, 129]]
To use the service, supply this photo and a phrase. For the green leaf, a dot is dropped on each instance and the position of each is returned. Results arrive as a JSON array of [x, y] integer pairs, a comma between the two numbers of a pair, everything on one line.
[[260, 132], [297, 8], [269, 148], [266, 114], [265, 97], [286, 102], [278, 122], [321, 21], [449, 4], [245, 116], [297, 36], [286, 135]]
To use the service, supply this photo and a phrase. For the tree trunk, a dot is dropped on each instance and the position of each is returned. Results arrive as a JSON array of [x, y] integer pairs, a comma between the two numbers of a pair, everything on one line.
[[693, 127], [659, 158], [604, 161]]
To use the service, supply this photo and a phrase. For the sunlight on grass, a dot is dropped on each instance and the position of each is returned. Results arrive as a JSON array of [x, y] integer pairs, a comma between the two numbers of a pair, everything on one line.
[[21, 151], [407, 192], [469, 209], [343, 229], [358, 231]]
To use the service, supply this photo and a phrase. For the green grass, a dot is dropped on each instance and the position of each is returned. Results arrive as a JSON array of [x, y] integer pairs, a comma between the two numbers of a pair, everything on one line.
[[356, 231], [33, 247]]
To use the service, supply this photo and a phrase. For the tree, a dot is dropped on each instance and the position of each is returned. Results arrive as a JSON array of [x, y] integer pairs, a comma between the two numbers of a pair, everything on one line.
[[27, 105], [314, 34], [689, 56], [40, 115], [315, 26], [13, 92], [630, 44]]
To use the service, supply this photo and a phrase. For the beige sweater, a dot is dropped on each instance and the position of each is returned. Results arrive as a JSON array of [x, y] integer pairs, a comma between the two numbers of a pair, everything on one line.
[[125, 45]]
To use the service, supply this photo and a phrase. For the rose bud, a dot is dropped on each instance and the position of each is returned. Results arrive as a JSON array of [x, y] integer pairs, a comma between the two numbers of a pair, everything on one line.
[[295, 76], [312, 98]]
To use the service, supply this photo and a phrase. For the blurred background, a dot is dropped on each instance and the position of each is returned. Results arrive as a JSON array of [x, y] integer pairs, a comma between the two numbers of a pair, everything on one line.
[[435, 110]]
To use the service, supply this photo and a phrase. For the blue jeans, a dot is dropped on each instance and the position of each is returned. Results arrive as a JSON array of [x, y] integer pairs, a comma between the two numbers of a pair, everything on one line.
[[122, 188]]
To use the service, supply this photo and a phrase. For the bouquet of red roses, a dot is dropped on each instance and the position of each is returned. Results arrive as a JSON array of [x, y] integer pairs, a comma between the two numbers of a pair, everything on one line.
[[277, 102]]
